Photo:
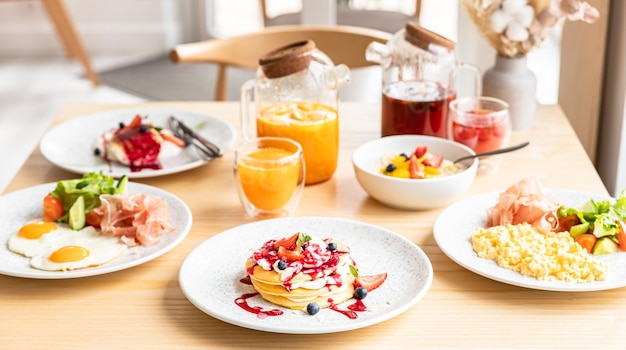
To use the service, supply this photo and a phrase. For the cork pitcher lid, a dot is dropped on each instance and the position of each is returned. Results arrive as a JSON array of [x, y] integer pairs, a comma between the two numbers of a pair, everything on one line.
[[288, 59], [422, 37]]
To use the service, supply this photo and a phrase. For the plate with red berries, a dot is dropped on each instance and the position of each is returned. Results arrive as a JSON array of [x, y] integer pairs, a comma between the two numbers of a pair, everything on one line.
[[387, 275], [133, 141]]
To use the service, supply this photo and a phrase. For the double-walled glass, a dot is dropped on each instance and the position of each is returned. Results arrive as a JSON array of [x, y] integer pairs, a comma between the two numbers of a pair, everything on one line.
[[269, 173]]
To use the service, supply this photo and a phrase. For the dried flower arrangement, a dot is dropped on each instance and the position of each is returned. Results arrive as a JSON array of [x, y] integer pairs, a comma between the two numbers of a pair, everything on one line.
[[514, 27]]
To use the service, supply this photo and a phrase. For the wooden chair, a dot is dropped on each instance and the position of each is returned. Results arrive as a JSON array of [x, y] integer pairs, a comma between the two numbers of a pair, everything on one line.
[[65, 29], [343, 44], [387, 21]]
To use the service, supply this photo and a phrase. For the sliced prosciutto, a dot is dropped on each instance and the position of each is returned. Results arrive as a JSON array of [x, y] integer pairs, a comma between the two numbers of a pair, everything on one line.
[[526, 201], [136, 218]]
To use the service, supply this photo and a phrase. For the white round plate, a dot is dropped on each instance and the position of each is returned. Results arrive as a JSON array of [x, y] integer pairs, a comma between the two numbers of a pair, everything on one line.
[[69, 145], [25, 205], [455, 225], [210, 276]]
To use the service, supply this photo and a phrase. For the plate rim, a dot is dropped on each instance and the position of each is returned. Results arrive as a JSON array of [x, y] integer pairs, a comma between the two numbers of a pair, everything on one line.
[[145, 173], [134, 187], [346, 326], [553, 286]]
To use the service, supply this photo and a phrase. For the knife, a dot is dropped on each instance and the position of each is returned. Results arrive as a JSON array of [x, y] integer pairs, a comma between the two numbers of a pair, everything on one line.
[[208, 150]]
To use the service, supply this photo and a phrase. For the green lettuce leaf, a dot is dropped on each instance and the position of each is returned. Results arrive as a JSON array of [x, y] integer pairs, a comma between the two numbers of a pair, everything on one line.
[[90, 187], [601, 215]]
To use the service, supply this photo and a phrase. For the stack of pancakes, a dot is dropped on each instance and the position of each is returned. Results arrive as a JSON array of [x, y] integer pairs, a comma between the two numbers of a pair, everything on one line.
[[325, 281]]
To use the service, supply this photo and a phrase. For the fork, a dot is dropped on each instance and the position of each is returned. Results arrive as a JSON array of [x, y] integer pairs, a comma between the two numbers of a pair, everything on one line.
[[208, 150]]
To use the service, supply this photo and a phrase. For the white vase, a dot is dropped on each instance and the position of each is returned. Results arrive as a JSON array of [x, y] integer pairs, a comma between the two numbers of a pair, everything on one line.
[[511, 80]]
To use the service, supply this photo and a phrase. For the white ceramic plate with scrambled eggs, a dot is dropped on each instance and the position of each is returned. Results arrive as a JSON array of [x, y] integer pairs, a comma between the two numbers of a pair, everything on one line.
[[455, 225], [210, 275], [23, 206], [69, 145]]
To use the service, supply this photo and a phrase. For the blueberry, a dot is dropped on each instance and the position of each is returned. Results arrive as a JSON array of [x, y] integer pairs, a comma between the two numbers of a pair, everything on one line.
[[304, 245], [391, 167], [96, 151], [360, 293], [312, 308], [282, 264], [122, 125], [143, 128], [332, 246], [405, 156]]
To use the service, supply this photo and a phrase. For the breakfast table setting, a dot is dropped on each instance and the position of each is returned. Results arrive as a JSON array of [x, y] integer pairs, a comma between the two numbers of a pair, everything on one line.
[[293, 219], [145, 307]]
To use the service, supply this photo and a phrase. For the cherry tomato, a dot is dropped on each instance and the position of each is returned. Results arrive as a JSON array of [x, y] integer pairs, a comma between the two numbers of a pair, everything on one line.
[[94, 217], [52, 208], [621, 235]]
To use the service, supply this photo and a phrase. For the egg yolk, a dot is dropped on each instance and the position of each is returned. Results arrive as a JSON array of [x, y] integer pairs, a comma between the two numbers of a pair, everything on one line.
[[69, 253], [36, 229]]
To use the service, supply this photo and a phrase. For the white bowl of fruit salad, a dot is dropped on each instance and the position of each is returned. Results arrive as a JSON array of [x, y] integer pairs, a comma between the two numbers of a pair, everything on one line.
[[414, 172]]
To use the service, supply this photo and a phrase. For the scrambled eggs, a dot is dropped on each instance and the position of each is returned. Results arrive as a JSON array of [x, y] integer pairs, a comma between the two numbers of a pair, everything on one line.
[[547, 256]]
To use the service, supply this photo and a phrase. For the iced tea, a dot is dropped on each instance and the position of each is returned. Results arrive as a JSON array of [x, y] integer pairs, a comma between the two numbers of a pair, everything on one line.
[[415, 107]]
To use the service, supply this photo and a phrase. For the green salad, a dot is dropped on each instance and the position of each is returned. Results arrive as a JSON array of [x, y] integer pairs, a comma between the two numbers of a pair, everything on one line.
[[597, 225], [72, 199]]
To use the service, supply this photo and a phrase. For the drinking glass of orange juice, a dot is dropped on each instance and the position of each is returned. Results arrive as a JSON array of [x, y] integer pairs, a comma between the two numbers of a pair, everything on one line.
[[481, 123], [269, 172]]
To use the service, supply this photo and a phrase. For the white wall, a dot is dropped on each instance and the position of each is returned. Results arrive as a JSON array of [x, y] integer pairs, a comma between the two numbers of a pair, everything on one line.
[[611, 156], [106, 27]]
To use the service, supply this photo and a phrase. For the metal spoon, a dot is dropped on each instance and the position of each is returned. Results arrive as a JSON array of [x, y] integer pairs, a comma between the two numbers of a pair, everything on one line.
[[498, 151]]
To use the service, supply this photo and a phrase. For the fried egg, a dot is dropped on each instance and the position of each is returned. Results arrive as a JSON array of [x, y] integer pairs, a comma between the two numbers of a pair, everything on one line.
[[33, 238], [56, 247]]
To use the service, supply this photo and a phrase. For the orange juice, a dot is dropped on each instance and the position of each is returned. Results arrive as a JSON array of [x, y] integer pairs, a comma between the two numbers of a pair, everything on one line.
[[314, 125], [266, 182]]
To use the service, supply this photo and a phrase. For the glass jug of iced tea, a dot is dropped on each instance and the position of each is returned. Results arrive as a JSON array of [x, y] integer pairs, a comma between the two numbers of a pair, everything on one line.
[[296, 95], [419, 74]]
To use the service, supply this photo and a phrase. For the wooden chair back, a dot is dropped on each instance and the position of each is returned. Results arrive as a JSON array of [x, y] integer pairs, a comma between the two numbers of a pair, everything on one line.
[[343, 44], [265, 17]]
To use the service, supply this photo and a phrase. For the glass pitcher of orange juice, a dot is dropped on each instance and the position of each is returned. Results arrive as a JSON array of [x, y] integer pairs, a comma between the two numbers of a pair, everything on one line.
[[295, 95]]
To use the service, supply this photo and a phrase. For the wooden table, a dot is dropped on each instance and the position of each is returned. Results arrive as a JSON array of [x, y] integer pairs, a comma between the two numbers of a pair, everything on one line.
[[143, 307]]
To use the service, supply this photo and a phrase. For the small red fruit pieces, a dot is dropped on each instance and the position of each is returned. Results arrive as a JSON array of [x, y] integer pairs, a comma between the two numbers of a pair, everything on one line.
[[420, 151], [287, 242], [371, 282], [135, 123], [173, 139], [289, 255], [433, 161], [415, 172]]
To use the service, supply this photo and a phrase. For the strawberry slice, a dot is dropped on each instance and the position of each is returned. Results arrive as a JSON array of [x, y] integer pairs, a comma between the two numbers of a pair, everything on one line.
[[287, 242], [289, 255], [420, 151], [414, 169], [135, 123], [173, 139], [433, 161], [371, 282]]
